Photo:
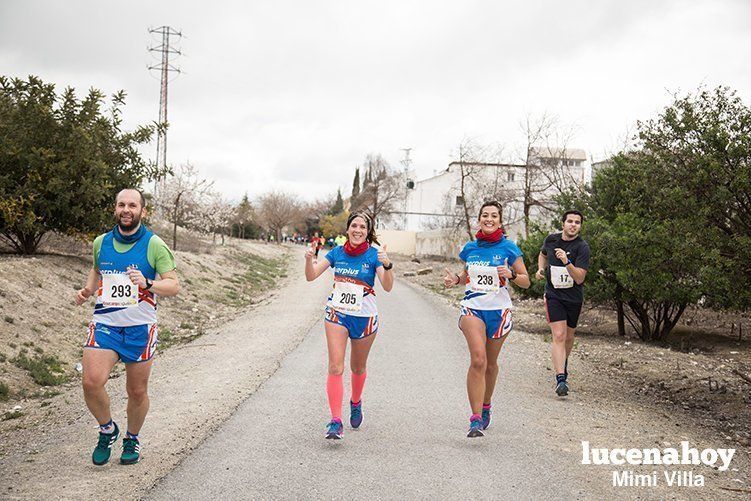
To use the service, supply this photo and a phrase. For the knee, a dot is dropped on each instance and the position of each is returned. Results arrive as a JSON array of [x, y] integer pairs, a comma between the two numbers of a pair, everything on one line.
[[138, 393], [359, 370], [479, 363], [559, 336], [336, 369], [93, 384], [492, 367]]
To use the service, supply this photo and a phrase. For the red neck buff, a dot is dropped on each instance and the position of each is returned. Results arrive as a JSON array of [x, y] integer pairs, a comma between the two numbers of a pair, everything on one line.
[[490, 237], [355, 250]]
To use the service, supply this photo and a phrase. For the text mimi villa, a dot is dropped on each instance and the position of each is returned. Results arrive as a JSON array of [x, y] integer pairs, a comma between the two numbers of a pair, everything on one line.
[[683, 456]]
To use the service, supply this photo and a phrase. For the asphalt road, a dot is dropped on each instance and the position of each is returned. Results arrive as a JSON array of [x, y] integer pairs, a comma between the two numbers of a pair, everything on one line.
[[412, 443]]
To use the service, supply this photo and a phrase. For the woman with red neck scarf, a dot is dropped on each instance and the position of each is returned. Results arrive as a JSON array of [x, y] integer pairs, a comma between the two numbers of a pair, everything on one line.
[[351, 312], [490, 262]]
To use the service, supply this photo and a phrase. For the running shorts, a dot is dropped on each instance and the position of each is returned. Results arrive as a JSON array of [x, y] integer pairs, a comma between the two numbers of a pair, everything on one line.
[[135, 343], [498, 323], [358, 327], [558, 310]]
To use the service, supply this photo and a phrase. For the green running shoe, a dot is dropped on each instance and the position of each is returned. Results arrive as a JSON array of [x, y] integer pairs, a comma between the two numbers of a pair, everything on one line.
[[131, 451], [101, 454]]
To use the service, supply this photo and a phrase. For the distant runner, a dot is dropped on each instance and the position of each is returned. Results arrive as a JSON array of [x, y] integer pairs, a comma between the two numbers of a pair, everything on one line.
[[351, 312], [131, 267], [491, 262], [563, 262]]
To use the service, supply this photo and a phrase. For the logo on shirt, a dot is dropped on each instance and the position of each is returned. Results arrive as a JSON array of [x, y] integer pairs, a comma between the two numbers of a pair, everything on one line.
[[347, 271], [480, 263], [365, 267]]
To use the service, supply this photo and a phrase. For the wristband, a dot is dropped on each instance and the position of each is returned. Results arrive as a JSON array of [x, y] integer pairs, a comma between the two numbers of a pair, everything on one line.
[[387, 268], [149, 283], [513, 275], [458, 279]]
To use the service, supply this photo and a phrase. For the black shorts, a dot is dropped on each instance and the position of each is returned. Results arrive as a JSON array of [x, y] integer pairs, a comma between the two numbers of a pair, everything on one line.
[[557, 310]]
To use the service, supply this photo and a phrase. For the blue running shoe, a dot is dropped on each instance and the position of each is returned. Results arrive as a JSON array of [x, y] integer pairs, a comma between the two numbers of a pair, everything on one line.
[[355, 414], [485, 417], [475, 430], [562, 389], [335, 430]]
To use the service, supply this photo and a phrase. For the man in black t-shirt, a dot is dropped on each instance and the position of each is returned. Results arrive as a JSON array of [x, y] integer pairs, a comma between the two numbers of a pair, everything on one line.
[[563, 262]]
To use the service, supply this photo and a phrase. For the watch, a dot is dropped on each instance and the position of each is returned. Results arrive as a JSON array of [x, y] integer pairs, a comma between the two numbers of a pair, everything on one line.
[[391, 265], [149, 283], [513, 275]]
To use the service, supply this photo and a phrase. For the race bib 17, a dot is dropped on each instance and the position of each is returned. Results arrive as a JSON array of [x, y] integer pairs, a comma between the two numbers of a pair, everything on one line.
[[560, 278], [484, 278], [347, 296], [119, 291]]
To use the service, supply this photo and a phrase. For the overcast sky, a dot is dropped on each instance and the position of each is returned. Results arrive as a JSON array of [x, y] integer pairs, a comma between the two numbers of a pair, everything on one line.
[[294, 94]]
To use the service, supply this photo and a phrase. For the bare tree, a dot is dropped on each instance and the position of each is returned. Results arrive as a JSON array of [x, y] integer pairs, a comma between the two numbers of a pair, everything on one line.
[[179, 198], [383, 188], [482, 176], [276, 210], [549, 165]]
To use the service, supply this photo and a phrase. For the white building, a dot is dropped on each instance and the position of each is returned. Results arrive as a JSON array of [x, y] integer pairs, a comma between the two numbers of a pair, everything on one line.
[[436, 202]]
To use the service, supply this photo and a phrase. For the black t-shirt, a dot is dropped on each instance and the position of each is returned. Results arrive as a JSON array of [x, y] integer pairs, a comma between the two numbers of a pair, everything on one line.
[[559, 283]]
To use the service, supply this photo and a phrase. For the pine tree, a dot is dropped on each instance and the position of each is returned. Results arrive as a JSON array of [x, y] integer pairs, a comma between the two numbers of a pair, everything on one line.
[[338, 204], [356, 184]]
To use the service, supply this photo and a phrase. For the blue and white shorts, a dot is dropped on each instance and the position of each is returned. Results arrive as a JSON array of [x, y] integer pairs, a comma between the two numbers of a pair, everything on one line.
[[358, 327], [135, 343], [498, 323]]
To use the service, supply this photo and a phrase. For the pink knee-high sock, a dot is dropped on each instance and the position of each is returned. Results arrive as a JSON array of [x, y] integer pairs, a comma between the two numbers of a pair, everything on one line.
[[335, 392], [358, 382]]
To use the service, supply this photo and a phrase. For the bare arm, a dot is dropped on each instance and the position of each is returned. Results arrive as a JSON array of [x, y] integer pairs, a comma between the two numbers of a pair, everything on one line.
[[522, 277], [451, 279], [578, 274], [167, 285], [92, 284], [314, 270], [386, 277], [542, 263]]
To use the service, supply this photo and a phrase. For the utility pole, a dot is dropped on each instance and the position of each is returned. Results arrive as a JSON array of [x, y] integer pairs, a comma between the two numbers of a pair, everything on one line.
[[164, 68], [408, 183]]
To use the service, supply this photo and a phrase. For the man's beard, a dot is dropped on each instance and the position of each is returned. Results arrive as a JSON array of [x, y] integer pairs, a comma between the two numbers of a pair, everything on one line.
[[134, 222]]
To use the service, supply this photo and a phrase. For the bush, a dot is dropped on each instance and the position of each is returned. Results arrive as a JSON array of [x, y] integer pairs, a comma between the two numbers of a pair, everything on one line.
[[44, 370]]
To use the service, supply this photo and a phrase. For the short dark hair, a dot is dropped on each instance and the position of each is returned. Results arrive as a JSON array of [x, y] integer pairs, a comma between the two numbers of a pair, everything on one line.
[[140, 193], [574, 212], [488, 203]]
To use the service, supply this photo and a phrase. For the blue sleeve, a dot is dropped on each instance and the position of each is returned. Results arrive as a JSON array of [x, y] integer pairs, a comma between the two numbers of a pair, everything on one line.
[[464, 254], [514, 251], [332, 255], [376, 262]]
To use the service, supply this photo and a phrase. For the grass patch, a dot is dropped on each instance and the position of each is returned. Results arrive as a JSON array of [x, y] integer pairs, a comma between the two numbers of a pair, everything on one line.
[[12, 415], [44, 370], [4, 391], [166, 338]]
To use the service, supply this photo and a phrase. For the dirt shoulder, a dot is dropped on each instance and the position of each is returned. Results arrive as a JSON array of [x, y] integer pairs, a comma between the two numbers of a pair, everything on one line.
[[692, 379]]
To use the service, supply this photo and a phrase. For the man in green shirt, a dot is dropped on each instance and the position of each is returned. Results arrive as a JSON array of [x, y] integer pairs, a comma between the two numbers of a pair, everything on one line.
[[132, 266]]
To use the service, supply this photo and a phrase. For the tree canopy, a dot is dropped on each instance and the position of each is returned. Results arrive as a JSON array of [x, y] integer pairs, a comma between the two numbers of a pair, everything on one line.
[[62, 160]]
